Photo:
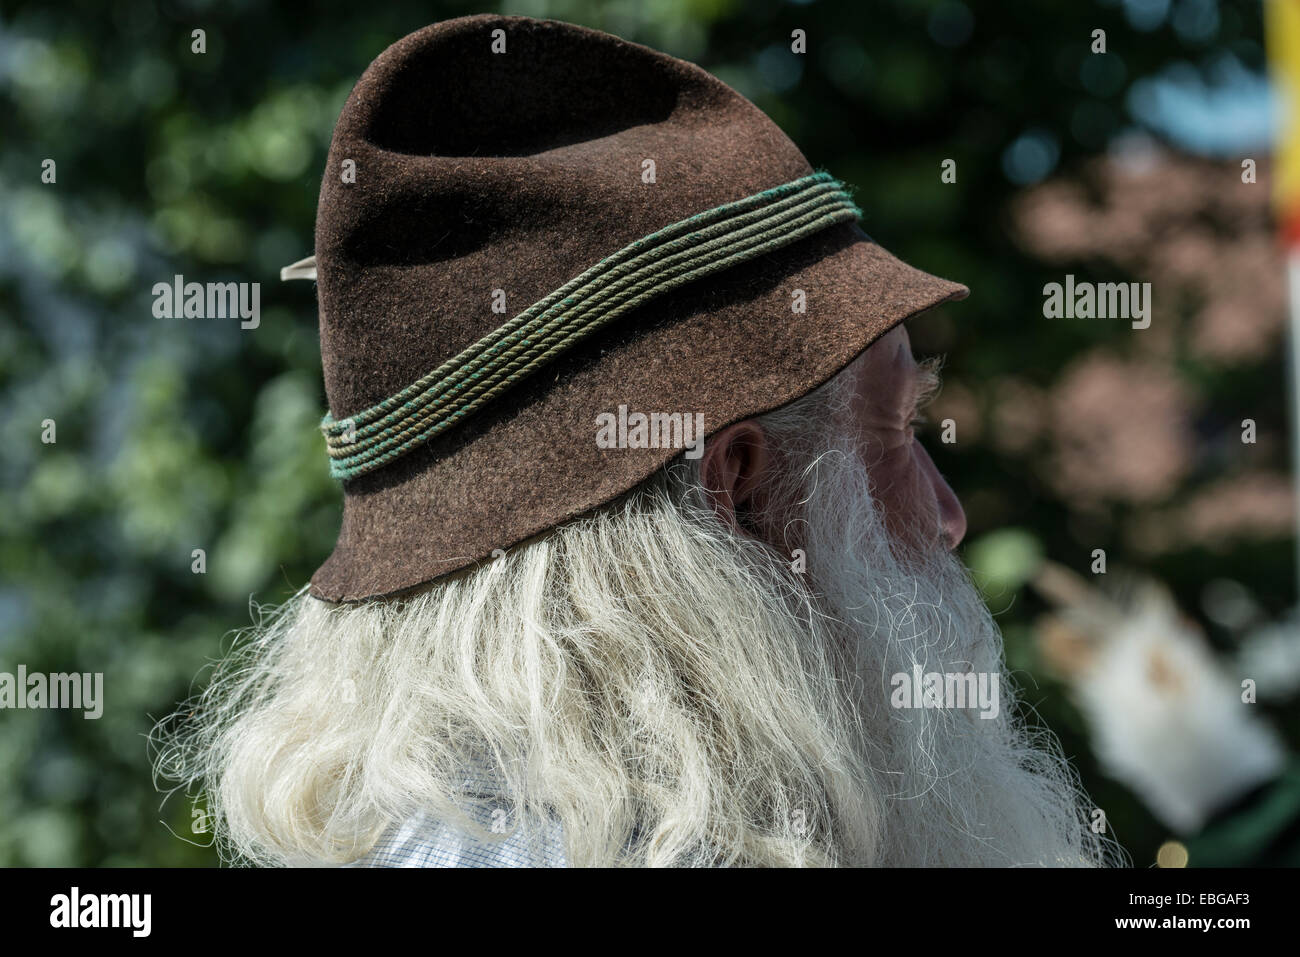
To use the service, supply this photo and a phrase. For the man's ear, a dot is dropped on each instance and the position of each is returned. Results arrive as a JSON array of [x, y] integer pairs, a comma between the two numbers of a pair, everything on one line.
[[733, 469]]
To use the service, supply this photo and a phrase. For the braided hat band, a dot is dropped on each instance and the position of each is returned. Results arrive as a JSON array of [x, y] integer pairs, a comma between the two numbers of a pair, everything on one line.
[[657, 264]]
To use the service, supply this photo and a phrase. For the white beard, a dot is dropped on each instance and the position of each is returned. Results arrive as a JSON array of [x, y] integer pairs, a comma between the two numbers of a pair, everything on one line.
[[961, 786]]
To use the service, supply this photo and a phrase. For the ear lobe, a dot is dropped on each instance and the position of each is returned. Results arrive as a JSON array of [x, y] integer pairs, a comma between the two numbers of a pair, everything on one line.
[[733, 469]]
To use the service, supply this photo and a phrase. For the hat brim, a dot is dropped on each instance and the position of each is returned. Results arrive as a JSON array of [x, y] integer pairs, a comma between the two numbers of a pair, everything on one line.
[[731, 347]]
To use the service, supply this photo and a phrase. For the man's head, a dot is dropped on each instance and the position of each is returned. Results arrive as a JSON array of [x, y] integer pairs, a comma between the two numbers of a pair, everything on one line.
[[705, 671]]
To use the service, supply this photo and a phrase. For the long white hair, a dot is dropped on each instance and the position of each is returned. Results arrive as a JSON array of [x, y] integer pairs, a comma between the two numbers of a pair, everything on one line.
[[668, 689]]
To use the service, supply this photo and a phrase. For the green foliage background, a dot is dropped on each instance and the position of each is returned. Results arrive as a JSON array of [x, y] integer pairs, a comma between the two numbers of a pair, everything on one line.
[[174, 435]]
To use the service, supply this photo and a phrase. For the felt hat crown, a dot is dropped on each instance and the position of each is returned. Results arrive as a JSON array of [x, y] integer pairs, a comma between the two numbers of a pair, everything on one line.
[[529, 230]]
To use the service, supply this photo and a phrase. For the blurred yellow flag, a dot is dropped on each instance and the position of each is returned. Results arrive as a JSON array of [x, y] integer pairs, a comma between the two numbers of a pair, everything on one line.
[[1282, 29]]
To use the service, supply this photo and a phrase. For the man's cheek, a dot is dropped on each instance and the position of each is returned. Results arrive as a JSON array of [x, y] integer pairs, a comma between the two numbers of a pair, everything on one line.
[[894, 478]]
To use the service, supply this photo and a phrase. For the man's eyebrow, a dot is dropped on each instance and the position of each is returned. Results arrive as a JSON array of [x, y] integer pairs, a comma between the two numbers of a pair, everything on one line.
[[926, 384]]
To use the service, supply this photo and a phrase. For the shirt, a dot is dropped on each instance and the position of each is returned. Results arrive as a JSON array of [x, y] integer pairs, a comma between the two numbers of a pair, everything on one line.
[[424, 841]]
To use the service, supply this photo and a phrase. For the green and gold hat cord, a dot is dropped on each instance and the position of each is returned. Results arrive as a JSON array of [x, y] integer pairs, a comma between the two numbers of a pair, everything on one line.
[[699, 246]]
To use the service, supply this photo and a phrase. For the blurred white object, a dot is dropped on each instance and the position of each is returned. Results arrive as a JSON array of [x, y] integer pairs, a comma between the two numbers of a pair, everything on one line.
[[1165, 717], [1271, 655]]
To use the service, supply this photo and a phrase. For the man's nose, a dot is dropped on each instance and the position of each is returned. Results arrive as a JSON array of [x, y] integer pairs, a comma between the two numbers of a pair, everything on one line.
[[952, 517]]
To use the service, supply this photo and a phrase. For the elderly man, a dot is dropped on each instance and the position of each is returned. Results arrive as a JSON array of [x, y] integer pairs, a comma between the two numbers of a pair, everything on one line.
[[559, 628]]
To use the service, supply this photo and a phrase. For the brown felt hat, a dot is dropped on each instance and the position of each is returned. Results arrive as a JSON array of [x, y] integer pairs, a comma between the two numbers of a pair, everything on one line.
[[495, 161]]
